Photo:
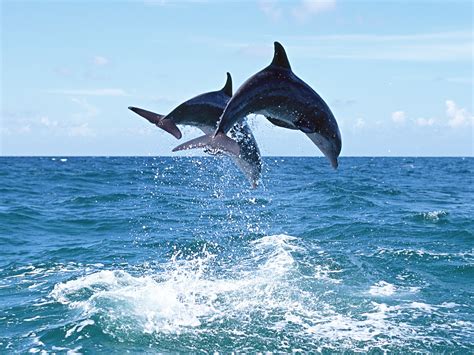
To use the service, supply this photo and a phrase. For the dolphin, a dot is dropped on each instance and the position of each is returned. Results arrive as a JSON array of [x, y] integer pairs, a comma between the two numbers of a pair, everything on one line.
[[203, 112], [285, 100]]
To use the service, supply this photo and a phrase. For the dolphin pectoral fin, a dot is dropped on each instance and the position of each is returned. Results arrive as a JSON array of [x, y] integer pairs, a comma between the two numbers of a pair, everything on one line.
[[219, 142], [158, 120], [170, 127], [280, 123], [150, 116]]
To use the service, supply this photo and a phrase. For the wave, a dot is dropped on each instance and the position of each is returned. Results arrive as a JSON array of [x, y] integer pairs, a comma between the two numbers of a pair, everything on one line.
[[183, 296], [467, 255], [386, 289], [432, 216], [270, 289]]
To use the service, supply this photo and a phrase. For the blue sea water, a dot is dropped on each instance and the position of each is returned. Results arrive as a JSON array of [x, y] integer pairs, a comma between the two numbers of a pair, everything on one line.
[[101, 255]]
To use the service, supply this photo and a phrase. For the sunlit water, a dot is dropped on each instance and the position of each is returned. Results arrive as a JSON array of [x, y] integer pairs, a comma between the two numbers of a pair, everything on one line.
[[162, 254]]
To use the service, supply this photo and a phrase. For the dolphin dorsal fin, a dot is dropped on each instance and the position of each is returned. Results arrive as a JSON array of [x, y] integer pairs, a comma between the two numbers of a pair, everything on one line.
[[279, 58], [228, 85]]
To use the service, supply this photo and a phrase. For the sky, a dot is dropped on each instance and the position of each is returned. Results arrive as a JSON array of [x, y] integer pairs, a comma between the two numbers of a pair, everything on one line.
[[398, 75]]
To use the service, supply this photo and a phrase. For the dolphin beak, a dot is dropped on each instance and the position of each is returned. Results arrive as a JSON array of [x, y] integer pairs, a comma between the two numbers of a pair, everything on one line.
[[329, 147], [332, 156], [333, 153]]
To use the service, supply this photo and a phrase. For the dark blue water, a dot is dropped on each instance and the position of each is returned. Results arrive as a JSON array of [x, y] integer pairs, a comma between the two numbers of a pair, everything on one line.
[[164, 254]]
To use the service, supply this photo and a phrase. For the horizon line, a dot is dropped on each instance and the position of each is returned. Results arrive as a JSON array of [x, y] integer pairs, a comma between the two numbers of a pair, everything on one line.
[[211, 156]]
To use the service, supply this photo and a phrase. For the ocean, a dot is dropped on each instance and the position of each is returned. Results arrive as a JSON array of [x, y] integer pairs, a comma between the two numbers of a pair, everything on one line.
[[160, 254]]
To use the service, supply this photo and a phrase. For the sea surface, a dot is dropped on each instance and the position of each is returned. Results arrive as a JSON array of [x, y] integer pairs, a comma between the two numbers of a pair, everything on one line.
[[109, 255]]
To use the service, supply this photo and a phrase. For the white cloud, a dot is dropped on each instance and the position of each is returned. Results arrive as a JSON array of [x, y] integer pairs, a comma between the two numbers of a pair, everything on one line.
[[24, 122], [45, 121], [301, 12], [82, 130], [88, 109], [457, 116], [424, 122], [156, 2], [90, 92], [270, 8], [398, 117], [317, 6], [25, 128], [343, 102], [418, 47], [4, 131], [411, 52], [413, 37], [77, 125], [255, 50], [100, 61], [142, 131], [308, 8], [360, 123], [172, 2], [459, 80], [63, 71], [436, 46]]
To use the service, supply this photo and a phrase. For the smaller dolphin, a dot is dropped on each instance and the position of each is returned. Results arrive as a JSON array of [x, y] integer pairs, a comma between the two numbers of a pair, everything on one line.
[[203, 112], [285, 100]]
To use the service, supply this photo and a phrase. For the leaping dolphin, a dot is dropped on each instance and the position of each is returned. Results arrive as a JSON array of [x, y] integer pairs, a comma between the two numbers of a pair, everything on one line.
[[203, 112], [285, 100]]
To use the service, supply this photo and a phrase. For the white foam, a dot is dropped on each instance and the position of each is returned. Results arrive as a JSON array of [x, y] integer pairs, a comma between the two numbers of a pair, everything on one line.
[[277, 251], [37, 342], [434, 215], [422, 306], [67, 350], [265, 287], [423, 253], [154, 305], [180, 298], [324, 273], [79, 327], [382, 288]]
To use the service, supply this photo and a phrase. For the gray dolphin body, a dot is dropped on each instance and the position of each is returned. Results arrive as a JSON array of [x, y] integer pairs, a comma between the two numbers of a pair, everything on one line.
[[203, 112], [285, 100]]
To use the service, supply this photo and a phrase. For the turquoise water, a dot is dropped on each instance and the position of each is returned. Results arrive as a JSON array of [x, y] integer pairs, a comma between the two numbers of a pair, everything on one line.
[[177, 254]]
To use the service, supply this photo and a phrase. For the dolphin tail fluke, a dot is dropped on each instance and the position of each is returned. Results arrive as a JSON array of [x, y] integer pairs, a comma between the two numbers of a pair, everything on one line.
[[158, 120], [150, 116], [170, 127], [215, 143]]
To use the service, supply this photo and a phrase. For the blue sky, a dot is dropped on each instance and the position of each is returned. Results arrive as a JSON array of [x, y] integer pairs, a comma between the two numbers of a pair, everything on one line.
[[397, 75]]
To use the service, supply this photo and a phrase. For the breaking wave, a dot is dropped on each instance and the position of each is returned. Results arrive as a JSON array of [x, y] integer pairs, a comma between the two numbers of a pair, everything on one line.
[[269, 290]]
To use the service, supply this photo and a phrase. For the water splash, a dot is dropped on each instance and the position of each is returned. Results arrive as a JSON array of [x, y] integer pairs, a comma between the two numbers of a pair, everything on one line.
[[264, 290]]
